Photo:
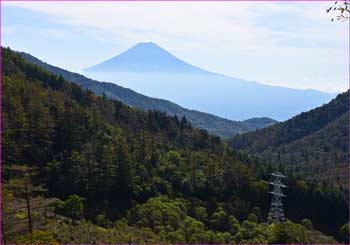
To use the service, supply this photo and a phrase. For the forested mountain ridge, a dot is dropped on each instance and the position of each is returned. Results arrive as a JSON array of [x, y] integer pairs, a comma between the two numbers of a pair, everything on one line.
[[95, 170], [316, 142], [223, 127]]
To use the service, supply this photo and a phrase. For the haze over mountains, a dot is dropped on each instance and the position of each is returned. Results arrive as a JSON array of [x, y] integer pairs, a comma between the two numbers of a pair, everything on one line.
[[213, 124], [151, 70]]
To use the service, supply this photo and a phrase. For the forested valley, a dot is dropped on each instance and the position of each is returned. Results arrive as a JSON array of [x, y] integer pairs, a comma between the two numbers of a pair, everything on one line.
[[314, 144], [81, 168]]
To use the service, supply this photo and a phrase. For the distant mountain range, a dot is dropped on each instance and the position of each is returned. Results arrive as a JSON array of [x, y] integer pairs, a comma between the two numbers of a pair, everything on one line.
[[214, 124], [315, 143], [153, 71]]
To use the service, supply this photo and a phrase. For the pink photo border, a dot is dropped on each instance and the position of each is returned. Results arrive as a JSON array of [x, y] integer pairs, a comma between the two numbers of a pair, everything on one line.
[[331, 1]]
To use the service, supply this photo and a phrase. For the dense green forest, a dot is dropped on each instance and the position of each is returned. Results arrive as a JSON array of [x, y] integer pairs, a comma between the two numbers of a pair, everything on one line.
[[78, 168], [314, 144], [216, 125]]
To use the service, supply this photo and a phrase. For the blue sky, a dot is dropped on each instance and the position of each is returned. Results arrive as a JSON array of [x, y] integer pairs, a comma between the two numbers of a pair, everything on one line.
[[291, 44]]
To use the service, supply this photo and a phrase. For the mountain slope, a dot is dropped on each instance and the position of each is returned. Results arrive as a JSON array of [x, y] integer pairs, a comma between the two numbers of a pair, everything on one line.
[[216, 125], [152, 71], [315, 141], [129, 176]]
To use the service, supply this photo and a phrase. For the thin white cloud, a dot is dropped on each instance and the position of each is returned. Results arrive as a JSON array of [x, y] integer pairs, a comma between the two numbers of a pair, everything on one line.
[[56, 33], [252, 30]]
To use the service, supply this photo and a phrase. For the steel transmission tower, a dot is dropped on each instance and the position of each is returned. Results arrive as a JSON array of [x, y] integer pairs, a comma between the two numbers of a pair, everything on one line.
[[276, 214]]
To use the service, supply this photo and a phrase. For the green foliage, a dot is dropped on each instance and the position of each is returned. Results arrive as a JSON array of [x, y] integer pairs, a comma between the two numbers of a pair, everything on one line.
[[141, 177], [219, 220], [200, 213], [72, 207], [86, 233], [289, 232], [159, 212], [234, 226], [22, 215], [253, 218], [37, 237], [102, 221], [257, 212], [344, 233], [194, 230], [286, 233], [307, 224]]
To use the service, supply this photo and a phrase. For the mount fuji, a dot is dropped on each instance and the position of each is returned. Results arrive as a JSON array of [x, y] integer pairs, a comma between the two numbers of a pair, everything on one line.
[[153, 71], [146, 57]]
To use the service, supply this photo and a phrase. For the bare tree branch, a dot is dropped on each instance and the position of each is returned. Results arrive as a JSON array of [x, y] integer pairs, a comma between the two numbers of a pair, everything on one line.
[[341, 10]]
